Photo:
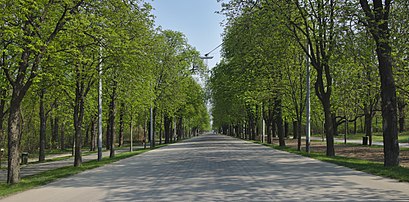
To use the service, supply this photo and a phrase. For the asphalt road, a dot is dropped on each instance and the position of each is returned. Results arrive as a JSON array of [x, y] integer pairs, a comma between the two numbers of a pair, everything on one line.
[[218, 168]]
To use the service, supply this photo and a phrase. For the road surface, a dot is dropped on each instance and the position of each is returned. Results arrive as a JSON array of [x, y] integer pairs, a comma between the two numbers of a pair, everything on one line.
[[218, 168]]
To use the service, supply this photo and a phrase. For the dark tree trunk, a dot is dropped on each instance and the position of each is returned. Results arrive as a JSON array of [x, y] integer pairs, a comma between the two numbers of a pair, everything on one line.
[[43, 121], [368, 126], [299, 129], [112, 115], [55, 132], [180, 128], [167, 122], [268, 127], [401, 108], [295, 135], [354, 126], [378, 24], [279, 122], [154, 126], [329, 127], [274, 127], [286, 129], [62, 137], [108, 135], [335, 124], [78, 120], [121, 125]]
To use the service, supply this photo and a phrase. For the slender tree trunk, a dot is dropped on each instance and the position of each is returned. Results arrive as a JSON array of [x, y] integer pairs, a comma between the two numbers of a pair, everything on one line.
[[108, 135], [299, 129], [368, 126], [401, 108], [167, 125], [121, 125], [112, 115], [295, 135], [62, 137], [280, 128], [78, 119], [55, 132], [43, 121]]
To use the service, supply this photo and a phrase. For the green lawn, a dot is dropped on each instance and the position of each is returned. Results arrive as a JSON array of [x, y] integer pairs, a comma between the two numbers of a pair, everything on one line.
[[377, 137]]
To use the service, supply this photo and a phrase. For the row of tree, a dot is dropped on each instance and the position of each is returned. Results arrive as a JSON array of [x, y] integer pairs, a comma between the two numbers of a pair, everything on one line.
[[358, 51], [55, 52]]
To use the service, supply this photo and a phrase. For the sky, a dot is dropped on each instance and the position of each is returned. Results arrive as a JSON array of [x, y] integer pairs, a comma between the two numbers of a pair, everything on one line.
[[196, 19]]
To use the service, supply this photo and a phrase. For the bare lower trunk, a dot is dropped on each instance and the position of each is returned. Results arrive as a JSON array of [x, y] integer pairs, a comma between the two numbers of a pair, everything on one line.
[[112, 115], [167, 125], [389, 105], [279, 121], [43, 120], [121, 125], [62, 137], [13, 173], [329, 129]]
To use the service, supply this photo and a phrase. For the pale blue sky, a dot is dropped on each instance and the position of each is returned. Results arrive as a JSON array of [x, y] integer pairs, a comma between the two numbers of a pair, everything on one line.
[[196, 19]]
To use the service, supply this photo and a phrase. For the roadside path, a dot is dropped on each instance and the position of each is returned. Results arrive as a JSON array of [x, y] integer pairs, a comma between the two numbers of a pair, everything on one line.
[[31, 169], [219, 168]]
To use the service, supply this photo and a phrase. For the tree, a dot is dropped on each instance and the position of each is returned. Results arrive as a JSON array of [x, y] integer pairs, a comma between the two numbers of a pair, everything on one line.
[[377, 21], [31, 27]]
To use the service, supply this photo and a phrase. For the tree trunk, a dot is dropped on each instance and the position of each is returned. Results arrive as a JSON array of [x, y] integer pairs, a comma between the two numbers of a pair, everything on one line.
[[62, 137], [389, 111], [167, 125], [180, 128], [78, 118], [14, 130], [295, 135], [279, 122], [378, 24], [299, 129], [329, 127], [112, 115], [368, 126], [286, 129], [108, 135], [121, 125], [55, 132], [401, 108], [43, 121]]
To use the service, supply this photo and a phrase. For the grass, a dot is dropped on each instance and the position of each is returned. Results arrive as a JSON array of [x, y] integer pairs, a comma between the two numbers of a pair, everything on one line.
[[375, 168], [46, 177], [376, 137]]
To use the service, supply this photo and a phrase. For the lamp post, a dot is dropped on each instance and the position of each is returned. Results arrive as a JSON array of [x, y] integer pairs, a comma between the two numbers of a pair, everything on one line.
[[100, 106], [308, 103]]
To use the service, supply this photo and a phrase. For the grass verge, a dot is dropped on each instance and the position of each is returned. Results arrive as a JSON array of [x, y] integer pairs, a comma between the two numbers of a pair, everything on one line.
[[46, 177], [399, 173]]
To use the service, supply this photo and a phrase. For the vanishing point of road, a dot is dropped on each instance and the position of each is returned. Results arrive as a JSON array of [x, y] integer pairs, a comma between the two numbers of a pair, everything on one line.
[[218, 168]]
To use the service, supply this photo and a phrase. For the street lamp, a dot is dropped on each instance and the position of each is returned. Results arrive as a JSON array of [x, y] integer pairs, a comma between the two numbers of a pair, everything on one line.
[[100, 106]]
